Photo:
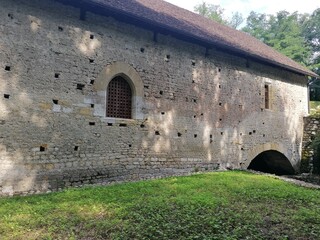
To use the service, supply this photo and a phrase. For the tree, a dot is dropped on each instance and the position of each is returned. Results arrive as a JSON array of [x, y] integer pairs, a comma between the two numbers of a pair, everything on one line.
[[211, 11], [283, 32], [311, 32], [216, 13]]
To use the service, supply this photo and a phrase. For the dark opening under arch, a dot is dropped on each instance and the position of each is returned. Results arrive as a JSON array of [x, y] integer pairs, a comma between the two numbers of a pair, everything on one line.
[[272, 162]]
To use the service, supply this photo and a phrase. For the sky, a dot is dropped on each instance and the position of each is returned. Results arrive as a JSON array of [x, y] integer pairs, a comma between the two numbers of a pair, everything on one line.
[[260, 6]]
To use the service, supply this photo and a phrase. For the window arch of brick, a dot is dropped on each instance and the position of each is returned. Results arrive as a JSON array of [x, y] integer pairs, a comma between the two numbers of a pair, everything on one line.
[[118, 73]]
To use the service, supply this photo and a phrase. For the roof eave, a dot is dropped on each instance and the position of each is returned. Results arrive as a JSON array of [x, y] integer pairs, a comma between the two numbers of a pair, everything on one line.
[[156, 26]]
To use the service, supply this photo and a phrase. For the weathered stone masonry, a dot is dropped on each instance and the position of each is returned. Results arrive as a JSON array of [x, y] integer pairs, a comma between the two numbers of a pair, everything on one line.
[[192, 111]]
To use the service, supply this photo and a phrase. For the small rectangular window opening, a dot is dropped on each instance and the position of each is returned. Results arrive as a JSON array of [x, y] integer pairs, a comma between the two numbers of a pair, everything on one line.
[[266, 97], [7, 68], [6, 96]]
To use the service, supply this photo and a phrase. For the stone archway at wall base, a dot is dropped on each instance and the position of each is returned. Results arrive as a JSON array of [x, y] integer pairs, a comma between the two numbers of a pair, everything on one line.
[[270, 158]]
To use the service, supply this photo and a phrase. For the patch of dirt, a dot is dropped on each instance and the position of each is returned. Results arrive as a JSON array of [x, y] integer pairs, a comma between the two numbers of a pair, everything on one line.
[[304, 180]]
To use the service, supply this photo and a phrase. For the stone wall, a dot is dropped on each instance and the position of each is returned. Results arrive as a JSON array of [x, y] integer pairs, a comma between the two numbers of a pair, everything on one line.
[[311, 130], [193, 111]]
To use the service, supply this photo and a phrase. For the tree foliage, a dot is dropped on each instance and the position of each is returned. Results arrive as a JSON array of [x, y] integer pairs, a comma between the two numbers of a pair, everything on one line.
[[216, 13], [296, 35]]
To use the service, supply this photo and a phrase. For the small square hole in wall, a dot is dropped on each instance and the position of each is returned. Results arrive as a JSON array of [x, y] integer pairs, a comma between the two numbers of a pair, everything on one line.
[[221, 133], [6, 96], [43, 148], [220, 119], [142, 126], [60, 28], [7, 68], [264, 135], [157, 133], [211, 136], [250, 133], [110, 124], [161, 92], [179, 134], [193, 63], [195, 100], [57, 75], [91, 36], [142, 50], [92, 123], [76, 148], [55, 101], [195, 135], [254, 131], [91, 60], [146, 87], [220, 104], [92, 105], [219, 69], [130, 145], [163, 113], [80, 86], [123, 125]]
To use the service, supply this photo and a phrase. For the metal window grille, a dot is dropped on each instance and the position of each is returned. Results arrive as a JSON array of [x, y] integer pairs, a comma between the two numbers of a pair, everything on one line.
[[119, 98]]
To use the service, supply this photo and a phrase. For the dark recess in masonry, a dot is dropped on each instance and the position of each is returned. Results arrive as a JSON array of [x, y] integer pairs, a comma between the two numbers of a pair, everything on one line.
[[91, 82], [123, 125], [195, 135], [142, 126], [161, 92], [92, 105], [60, 28], [57, 75], [7, 68], [76, 148], [193, 63], [157, 133], [7, 96], [163, 113], [43, 148], [80, 86], [91, 36], [142, 50], [92, 123], [130, 145], [221, 133], [146, 86], [55, 101], [110, 124], [179, 134], [91, 60]]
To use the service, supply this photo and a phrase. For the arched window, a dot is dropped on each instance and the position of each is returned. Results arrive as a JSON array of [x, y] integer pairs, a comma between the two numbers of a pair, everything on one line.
[[119, 98]]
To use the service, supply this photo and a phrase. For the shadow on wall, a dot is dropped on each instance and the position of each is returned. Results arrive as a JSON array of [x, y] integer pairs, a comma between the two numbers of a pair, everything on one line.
[[272, 162]]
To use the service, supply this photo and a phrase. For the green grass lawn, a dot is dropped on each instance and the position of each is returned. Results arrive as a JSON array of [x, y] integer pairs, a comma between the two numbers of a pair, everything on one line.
[[220, 205]]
